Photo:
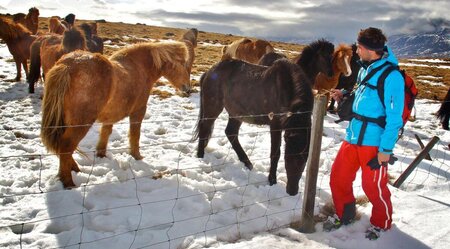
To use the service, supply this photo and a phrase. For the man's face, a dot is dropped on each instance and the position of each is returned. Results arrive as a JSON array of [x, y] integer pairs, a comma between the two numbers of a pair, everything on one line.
[[363, 52]]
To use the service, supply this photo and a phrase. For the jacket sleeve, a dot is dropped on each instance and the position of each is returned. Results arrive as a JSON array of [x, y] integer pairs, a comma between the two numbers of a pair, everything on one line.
[[394, 94]]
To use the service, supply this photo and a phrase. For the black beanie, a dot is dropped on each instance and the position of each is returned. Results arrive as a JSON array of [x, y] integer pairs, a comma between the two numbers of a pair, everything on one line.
[[369, 44]]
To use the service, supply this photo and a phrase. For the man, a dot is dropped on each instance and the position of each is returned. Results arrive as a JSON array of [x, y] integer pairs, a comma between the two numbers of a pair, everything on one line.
[[370, 137]]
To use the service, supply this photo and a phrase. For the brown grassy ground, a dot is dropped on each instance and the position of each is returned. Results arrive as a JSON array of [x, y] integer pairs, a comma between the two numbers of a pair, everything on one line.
[[121, 34]]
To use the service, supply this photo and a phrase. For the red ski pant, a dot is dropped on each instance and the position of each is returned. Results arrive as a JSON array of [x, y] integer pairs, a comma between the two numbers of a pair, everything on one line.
[[349, 159]]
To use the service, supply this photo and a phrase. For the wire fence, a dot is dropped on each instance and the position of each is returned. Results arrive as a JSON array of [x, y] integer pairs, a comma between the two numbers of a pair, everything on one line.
[[155, 219]]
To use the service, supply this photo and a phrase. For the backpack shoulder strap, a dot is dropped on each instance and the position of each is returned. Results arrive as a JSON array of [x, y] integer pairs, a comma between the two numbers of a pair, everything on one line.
[[380, 83], [372, 73]]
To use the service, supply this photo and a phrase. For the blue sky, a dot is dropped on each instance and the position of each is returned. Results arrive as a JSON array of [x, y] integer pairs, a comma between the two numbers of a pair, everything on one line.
[[294, 20]]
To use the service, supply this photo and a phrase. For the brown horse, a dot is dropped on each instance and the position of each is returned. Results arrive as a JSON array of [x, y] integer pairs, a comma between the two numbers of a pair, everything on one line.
[[348, 82], [341, 65], [30, 20], [190, 39], [18, 39], [85, 87], [46, 51], [58, 26], [279, 96], [247, 50]]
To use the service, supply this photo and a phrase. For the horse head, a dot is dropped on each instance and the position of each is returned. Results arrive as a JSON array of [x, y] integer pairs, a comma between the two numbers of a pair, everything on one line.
[[176, 69], [316, 58], [341, 59], [297, 126]]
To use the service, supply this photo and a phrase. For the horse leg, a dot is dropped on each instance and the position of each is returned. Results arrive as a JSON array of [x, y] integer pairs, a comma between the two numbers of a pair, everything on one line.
[[208, 115], [232, 132], [68, 143], [103, 141], [135, 132], [331, 106], [275, 137], [25, 67], [445, 121], [19, 69]]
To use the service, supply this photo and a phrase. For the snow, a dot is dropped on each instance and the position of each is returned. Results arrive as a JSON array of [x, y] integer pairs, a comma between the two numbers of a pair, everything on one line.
[[172, 199]]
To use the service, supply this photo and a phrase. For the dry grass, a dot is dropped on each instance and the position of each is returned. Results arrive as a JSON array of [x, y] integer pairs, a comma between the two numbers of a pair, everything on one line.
[[208, 51]]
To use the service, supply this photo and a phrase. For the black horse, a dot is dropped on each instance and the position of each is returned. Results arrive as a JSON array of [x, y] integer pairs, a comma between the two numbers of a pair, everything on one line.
[[279, 96], [444, 111], [348, 82]]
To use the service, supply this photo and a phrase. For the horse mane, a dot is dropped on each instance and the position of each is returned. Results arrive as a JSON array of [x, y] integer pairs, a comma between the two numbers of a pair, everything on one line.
[[310, 51], [73, 39], [9, 30], [171, 52], [70, 19], [191, 36], [87, 29], [231, 48]]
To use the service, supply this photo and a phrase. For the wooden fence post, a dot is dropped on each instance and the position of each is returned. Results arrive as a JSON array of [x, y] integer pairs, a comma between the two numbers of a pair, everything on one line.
[[427, 156], [416, 162], [319, 111]]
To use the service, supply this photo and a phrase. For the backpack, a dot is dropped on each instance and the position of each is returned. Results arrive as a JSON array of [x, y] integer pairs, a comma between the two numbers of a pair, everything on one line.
[[345, 111]]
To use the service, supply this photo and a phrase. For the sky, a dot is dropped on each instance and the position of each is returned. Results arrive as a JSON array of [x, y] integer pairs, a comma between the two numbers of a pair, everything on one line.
[[286, 20], [212, 202]]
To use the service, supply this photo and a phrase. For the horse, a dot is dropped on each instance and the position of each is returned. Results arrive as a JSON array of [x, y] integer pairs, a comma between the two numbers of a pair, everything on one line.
[[58, 26], [247, 50], [30, 20], [444, 111], [18, 39], [269, 58], [190, 39], [85, 87], [341, 65], [279, 96], [93, 42], [46, 51], [348, 82]]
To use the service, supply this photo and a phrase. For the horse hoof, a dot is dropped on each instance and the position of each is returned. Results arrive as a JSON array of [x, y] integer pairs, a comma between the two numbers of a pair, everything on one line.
[[68, 184], [272, 181], [100, 154], [137, 157]]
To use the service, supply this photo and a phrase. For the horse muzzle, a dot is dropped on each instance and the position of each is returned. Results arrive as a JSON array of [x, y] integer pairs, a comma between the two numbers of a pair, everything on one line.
[[186, 88]]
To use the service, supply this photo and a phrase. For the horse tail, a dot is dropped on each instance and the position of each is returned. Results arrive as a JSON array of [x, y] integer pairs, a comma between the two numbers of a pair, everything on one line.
[[35, 65], [200, 113], [52, 127]]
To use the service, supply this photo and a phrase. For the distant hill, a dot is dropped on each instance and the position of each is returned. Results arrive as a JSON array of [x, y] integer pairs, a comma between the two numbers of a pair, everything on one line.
[[430, 44]]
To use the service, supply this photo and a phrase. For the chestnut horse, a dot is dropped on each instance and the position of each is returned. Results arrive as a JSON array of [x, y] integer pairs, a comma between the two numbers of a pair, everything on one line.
[[18, 39], [341, 65], [190, 39], [247, 50], [279, 96], [58, 26], [85, 87], [47, 50], [30, 20], [348, 82]]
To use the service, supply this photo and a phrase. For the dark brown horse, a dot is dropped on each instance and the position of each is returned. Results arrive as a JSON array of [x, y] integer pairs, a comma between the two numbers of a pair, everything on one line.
[[444, 111], [18, 39], [247, 50], [93, 42], [85, 87], [46, 51], [279, 96], [30, 20]]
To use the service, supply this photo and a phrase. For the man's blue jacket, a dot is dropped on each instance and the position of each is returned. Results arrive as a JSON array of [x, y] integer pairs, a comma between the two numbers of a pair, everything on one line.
[[367, 103]]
